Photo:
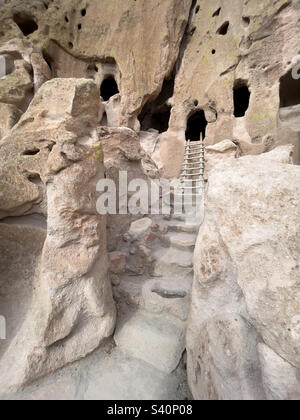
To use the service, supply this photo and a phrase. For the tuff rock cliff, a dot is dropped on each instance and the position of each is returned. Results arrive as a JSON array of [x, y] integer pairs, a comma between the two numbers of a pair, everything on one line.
[[89, 88]]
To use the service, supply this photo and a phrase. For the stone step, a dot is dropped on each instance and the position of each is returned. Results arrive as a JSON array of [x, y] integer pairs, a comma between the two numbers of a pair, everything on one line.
[[108, 375], [187, 218], [173, 225], [182, 240], [177, 226], [154, 339], [125, 378], [170, 296], [172, 262], [156, 295]]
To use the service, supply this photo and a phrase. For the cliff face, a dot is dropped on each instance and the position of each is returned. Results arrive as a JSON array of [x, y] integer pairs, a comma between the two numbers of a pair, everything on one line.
[[244, 320], [91, 87], [171, 59], [137, 41], [247, 47]]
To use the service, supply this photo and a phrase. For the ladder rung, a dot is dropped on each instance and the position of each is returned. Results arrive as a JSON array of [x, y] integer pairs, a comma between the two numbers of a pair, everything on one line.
[[194, 148], [188, 164], [194, 180], [197, 174], [189, 170], [190, 181]]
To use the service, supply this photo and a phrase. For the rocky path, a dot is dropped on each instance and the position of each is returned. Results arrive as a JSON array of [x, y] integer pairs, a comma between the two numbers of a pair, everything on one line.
[[146, 359]]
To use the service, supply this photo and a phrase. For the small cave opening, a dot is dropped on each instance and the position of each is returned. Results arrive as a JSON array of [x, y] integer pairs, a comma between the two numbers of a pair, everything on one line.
[[241, 98], [31, 152], [289, 90], [217, 12], [223, 29], [35, 178], [156, 113], [26, 23], [246, 21], [109, 88], [158, 120], [196, 125]]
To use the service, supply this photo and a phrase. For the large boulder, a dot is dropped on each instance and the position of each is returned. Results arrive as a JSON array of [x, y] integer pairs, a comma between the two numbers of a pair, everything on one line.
[[246, 288], [50, 164], [123, 152]]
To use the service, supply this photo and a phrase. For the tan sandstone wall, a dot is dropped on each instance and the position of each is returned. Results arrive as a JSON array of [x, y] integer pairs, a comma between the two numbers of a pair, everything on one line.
[[169, 59]]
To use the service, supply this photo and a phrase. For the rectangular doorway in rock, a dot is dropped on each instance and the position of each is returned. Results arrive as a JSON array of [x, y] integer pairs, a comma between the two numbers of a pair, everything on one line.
[[109, 88], [289, 90], [196, 126], [289, 113], [241, 98]]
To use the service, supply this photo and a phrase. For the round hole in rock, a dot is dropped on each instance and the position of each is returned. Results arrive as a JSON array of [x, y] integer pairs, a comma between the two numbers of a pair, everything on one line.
[[35, 178], [109, 88], [223, 29], [31, 152], [196, 125], [213, 52], [79, 27], [71, 45], [246, 21], [67, 19], [197, 9], [83, 12], [196, 103]]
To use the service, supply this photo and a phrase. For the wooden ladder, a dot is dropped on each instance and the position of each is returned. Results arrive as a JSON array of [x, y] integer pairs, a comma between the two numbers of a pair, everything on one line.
[[192, 174]]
